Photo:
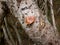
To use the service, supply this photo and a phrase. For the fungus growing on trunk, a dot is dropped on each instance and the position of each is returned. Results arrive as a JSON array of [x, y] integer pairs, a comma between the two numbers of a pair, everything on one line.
[[29, 19]]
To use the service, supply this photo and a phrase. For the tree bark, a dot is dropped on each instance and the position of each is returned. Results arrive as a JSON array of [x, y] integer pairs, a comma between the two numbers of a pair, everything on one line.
[[40, 31]]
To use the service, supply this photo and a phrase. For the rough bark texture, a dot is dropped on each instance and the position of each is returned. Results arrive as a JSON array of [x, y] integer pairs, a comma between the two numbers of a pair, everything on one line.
[[41, 31]]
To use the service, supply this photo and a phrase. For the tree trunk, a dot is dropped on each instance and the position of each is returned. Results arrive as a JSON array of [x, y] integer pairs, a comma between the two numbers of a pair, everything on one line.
[[40, 30]]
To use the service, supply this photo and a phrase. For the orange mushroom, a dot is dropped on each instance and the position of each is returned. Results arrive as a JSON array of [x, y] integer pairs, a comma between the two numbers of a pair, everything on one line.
[[30, 19]]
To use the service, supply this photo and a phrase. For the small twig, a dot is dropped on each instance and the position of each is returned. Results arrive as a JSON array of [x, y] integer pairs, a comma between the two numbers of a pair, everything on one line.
[[6, 36], [8, 31], [18, 36], [58, 11], [52, 14]]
